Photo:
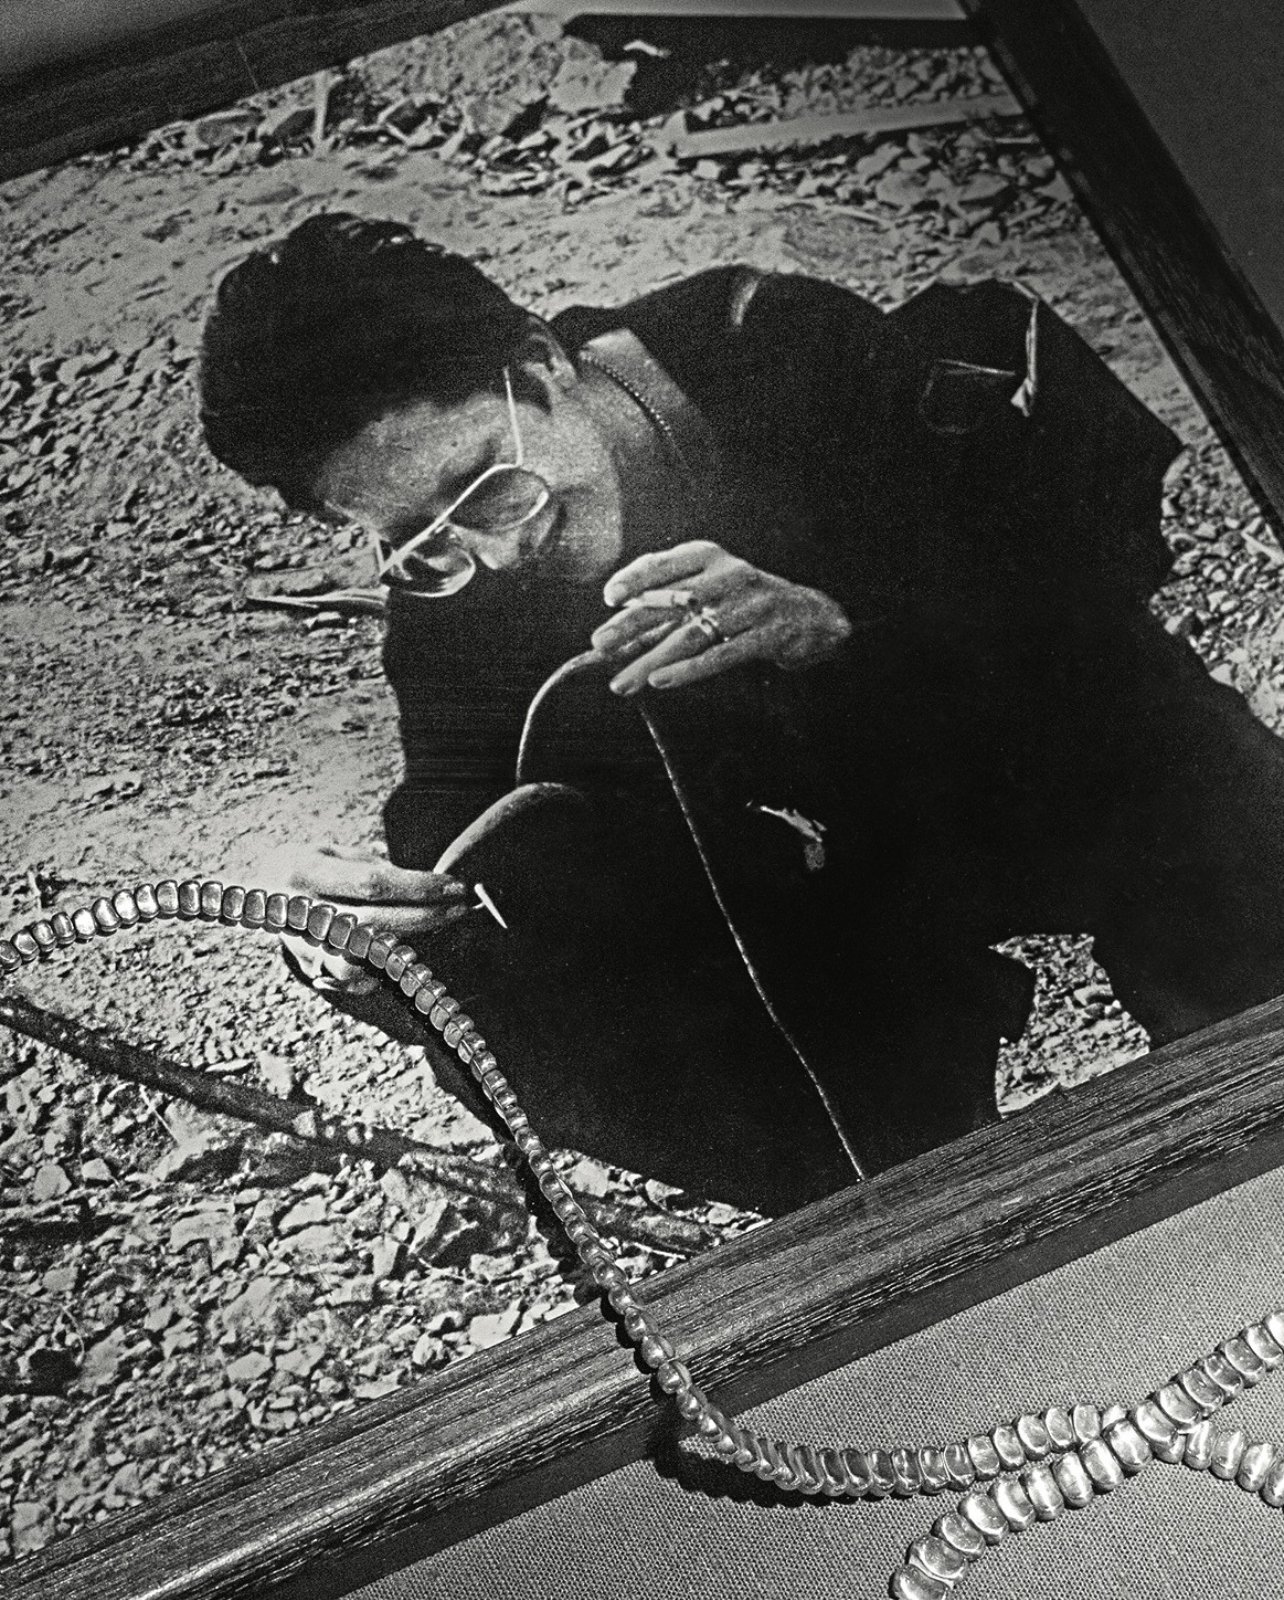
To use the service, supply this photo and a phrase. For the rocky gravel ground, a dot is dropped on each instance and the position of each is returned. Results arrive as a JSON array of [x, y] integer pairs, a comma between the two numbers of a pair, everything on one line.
[[177, 1288]]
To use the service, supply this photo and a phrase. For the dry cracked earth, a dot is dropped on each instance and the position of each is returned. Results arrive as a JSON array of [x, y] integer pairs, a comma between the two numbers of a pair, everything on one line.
[[177, 1288]]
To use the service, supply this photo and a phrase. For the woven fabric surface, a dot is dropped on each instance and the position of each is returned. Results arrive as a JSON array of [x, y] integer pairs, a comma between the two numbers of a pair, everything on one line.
[[1110, 1326]]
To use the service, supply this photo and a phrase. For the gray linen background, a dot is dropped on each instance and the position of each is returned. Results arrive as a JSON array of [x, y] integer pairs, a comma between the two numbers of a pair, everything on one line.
[[1109, 1326]]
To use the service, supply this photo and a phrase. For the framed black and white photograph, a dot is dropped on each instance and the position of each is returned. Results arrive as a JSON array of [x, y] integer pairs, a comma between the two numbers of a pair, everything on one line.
[[644, 642]]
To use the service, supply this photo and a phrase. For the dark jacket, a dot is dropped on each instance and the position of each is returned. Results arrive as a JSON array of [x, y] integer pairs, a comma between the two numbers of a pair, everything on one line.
[[964, 458]]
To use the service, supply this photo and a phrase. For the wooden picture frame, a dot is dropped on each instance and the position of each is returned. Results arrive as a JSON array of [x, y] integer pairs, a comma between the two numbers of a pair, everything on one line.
[[520, 1424]]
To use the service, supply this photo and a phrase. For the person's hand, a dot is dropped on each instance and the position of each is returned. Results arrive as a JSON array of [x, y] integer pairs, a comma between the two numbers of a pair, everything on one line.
[[695, 611], [396, 900]]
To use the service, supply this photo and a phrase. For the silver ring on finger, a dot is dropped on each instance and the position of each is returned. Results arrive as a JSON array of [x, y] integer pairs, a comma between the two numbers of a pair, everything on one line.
[[706, 619]]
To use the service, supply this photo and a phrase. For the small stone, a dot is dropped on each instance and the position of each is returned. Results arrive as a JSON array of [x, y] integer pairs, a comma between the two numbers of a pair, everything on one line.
[[493, 1328], [249, 1369], [50, 1182]]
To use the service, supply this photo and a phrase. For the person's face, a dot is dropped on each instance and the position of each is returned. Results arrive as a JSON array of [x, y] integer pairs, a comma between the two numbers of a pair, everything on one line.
[[405, 471]]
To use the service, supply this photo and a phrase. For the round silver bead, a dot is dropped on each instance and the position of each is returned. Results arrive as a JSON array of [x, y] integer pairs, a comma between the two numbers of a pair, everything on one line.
[[60, 922], [655, 1349], [104, 916], [82, 920], [46, 939]]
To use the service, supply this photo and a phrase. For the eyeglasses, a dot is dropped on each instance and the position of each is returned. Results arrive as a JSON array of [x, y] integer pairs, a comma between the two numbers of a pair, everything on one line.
[[501, 500]]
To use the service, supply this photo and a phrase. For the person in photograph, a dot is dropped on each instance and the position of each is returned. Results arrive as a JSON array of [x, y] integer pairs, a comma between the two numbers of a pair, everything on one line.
[[768, 658]]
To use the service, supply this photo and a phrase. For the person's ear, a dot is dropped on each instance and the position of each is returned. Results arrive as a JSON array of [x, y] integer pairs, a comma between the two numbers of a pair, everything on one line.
[[543, 361]]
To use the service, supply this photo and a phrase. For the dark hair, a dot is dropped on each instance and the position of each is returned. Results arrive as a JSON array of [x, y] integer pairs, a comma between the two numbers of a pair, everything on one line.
[[340, 323]]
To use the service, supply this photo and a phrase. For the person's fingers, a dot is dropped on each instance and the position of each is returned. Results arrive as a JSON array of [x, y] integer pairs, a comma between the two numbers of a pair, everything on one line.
[[630, 631], [661, 569], [709, 663], [688, 640]]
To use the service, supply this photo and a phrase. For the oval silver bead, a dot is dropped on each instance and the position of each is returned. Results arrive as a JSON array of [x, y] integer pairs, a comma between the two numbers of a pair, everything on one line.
[[1239, 1353], [1273, 1322], [400, 957], [959, 1466], [1059, 1428], [960, 1535], [126, 908], [211, 898], [1033, 1436], [1128, 1445], [318, 924], [1201, 1389], [189, 899], [275, 911], [933, 1473], [1263, 1346], [985, 1458], [359, 942], [912, 1583], [1073, 1480], [1014, 1503], [1177, 1405], [1215, 1366], [233, 905], [859, 1476], [1086, 1422], [1101, 1464], [1154, 1425], [981, 1511], [1008, 1446], [1112, 1414], [882, 1477], [10, 959], [254, 911], [1228, 1452], [145, 900], [46, 939], [909, 1477], [104, 915], [836, 1481], [60, 922], [82, 920], [167, 898], [1198, 1451], [1254, 1466], [1272, 1490], [1043, 1490], [937, 1558]]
